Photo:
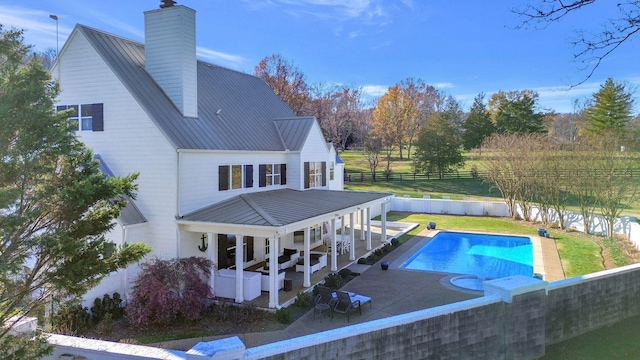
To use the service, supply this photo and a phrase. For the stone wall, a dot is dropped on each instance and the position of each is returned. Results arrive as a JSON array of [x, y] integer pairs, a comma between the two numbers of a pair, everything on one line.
[[578, 305]]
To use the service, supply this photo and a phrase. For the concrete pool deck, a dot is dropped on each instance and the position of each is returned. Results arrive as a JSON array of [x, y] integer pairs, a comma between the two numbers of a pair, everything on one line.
[[393, 292]]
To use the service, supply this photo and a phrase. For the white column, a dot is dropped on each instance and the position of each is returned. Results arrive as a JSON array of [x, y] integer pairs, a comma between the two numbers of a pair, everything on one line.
[[307, 258], [361, 224], [210, 257], [239, 270], [368, 228], [383, 217], [334, 251], [352, 238], [273, 272]]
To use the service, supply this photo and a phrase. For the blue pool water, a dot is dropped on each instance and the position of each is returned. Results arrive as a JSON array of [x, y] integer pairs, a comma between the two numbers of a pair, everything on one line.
[[487, 256]]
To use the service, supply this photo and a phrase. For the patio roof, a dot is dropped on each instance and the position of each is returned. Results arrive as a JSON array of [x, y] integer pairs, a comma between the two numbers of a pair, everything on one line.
[[282, 211]]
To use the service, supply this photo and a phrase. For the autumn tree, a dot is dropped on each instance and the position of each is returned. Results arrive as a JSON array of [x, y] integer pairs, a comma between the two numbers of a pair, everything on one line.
[[438, 148], [591, 47], [611, 109], [55, 204], [389, 122], [478, 124], [286, 80]]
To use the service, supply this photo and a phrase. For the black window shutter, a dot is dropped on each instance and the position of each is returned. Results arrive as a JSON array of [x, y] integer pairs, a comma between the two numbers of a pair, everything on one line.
[[283, 174], [248, 176], [324, 173], [97, 120], [306, 175], [262, 174], [223, 177]]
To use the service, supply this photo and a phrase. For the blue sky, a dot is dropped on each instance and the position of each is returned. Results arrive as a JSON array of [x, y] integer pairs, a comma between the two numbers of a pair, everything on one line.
[[463, 47]]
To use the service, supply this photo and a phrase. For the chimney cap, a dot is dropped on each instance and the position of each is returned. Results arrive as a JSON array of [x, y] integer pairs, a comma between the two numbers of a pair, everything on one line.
[[167, 3]]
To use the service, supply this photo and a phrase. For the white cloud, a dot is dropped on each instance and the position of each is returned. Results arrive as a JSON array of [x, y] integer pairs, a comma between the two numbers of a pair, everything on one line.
[[220, 58], [444, 85], [374, 90]]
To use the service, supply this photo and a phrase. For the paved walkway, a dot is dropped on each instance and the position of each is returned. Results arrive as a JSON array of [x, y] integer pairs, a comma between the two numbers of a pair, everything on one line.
[[394, 291]]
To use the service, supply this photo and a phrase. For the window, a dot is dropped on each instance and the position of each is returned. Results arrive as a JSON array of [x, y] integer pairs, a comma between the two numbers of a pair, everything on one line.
[[315, 234], [85, 117], [314, 174], [235, 177], [331, 170], [273, 174]]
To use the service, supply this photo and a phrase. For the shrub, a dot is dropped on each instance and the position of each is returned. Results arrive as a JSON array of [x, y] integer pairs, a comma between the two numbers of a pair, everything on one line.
[[345, 273], [71, 319], [168, 289], [362, 261], [304, 300], [395, 242], [107, 306], [334, 281], [283, 315]]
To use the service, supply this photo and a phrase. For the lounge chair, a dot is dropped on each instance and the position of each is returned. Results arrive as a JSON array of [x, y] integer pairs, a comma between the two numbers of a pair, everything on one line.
[[324, 300], [349, 301]]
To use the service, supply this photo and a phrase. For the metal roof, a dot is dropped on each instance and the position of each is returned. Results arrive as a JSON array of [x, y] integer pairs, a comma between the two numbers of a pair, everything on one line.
[[236, 111], [281, 207], [130, 214]]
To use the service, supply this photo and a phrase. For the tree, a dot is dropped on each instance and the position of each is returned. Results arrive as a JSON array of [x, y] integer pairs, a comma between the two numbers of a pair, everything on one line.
[[55, 204], [286, 80], [592, 47], [438, 147], [478, 124], [614, 169], [515, 112], [372, 148], [389, 122], [611, 109]]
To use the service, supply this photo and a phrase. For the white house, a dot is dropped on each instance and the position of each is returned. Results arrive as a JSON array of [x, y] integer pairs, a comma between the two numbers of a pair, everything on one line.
[[223, 163]]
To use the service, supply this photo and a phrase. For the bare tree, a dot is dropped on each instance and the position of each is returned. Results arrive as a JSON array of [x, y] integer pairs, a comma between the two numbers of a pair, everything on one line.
[[372, 148], [591, 48]]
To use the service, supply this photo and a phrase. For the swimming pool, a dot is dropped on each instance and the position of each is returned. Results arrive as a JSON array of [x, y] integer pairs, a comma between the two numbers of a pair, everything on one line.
[[482, 255]]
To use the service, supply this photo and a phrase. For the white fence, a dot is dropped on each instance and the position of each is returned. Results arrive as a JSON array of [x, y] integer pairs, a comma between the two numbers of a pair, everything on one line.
[[626, 225]]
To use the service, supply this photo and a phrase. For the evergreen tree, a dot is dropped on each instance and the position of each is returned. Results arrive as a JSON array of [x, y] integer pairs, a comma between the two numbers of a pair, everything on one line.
[[516, 112], [55, 204], [478, 124], [438, 149], [611, 109]]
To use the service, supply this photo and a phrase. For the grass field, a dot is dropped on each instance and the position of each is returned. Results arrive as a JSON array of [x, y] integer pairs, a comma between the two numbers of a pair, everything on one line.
[[456, 189]]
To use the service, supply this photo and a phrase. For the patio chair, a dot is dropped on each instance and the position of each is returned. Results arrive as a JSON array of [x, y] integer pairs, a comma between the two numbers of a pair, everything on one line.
[[350, 301], [324, 300]]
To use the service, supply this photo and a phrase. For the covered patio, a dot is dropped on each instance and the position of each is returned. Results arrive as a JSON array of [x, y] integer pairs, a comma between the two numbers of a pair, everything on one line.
[[316, 217]]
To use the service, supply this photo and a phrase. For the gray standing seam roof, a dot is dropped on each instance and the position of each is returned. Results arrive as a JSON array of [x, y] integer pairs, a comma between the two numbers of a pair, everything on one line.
[[248, 107], [280, 207]]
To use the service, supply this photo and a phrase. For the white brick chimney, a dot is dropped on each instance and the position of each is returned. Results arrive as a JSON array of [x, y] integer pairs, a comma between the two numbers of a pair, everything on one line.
[[170, 54]]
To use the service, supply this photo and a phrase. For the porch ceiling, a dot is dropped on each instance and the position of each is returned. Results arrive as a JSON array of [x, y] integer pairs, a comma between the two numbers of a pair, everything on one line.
[[281, 209]]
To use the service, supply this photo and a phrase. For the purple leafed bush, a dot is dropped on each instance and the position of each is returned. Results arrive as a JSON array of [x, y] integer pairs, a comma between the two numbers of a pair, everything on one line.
[[167, 290]]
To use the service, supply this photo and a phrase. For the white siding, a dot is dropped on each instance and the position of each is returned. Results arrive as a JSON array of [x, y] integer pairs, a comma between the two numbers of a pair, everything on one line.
[[130, 141], [199, 176], [315, 149]]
